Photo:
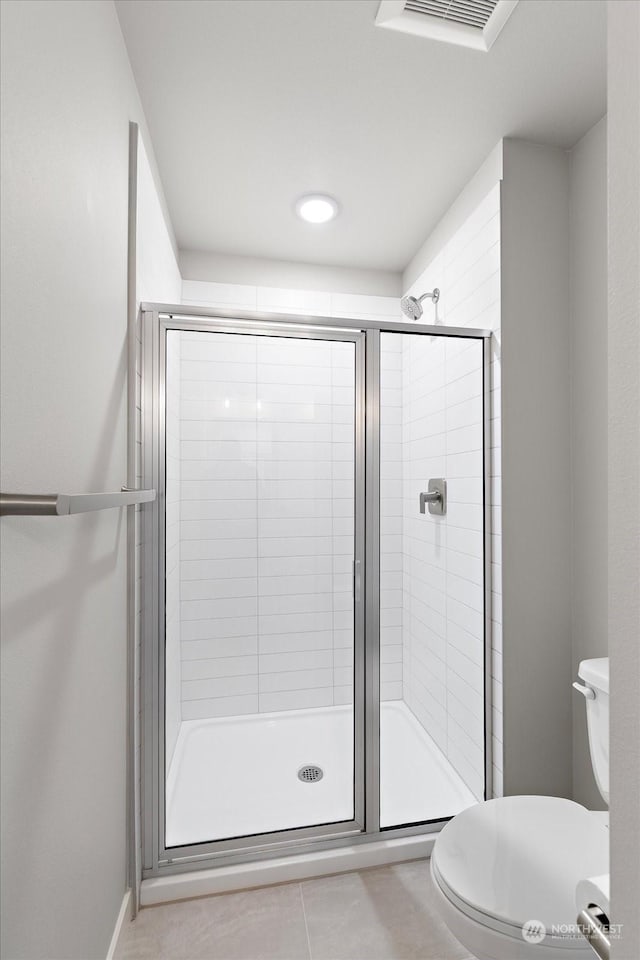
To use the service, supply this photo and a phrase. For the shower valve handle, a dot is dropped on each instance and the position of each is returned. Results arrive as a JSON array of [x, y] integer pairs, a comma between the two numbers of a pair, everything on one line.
[[435, 497]]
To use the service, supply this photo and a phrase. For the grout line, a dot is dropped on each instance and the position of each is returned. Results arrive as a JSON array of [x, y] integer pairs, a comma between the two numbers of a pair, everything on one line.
[[268, 673], [256, 693], [306, 925]]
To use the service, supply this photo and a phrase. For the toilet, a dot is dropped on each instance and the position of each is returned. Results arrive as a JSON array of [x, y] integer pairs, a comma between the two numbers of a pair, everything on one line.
[[505, 871]]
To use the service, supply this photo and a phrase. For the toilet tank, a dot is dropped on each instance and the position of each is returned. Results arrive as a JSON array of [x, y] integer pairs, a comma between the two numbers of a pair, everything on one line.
[[595, 675]]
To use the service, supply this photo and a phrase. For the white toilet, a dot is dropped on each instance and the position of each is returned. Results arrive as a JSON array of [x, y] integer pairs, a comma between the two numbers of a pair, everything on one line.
[[505, 871]]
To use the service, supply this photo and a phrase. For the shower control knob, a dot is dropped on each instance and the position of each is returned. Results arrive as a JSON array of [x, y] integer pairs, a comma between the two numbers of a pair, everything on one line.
[[435, 497]]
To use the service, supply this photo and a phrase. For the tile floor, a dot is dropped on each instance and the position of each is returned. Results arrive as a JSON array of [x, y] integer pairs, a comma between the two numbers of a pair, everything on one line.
[[386, 913]]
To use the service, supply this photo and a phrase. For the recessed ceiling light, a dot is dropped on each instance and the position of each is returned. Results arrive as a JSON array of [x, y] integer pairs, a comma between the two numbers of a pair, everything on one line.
[[317, 208]]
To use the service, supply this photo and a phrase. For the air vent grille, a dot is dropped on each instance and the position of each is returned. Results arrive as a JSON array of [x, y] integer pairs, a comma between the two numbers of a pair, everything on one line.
[[472, 13], [465, 23]]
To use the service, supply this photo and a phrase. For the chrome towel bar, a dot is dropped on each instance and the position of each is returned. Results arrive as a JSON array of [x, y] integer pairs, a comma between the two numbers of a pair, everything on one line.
[[63, 504]]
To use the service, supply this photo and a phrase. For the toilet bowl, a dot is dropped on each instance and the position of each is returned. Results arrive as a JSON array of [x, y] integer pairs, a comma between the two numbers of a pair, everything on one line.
[[505, 872]]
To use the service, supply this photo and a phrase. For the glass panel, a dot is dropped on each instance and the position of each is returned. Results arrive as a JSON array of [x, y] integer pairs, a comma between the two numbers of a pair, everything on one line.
[[259, 660], [431, 579]]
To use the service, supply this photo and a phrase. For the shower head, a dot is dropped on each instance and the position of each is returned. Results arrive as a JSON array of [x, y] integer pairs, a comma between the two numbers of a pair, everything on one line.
[[412, 306]]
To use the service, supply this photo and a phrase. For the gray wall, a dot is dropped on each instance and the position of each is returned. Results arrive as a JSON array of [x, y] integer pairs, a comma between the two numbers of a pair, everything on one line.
[[588, 377], [68, 95], [536, 470], [623, 148]]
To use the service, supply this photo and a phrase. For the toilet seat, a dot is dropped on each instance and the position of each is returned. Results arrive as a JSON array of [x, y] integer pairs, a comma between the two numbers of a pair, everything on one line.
[[514, 859], [512, 931]]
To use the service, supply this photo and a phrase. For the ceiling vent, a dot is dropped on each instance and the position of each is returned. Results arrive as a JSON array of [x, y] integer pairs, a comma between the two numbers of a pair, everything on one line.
[[468, 23]]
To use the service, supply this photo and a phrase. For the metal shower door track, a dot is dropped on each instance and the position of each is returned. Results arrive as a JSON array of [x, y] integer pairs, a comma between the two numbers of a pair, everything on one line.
[[249, 318]]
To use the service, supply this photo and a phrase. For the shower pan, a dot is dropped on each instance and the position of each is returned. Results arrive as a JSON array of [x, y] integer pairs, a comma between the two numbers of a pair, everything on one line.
[[314, 582]]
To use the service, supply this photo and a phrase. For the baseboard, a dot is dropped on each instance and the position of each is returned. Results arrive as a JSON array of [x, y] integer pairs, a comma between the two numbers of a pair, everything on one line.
[[201, 883], [123, 915]]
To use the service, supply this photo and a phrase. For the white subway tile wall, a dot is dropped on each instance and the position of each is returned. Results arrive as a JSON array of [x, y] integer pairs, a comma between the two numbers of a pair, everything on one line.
[[391, 545], [173, 701], [440, 590], [266, 522], [467, 271], [276, 300]]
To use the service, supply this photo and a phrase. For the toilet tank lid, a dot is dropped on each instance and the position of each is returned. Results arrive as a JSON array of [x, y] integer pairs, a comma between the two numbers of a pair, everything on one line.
[[595, 673]]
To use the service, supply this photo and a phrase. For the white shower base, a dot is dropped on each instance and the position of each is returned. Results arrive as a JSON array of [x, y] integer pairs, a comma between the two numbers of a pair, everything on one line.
[[236, 776], [417, 782]]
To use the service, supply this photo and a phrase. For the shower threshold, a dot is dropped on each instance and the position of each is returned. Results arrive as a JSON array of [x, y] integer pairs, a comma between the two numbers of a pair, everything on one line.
[[237, 776]]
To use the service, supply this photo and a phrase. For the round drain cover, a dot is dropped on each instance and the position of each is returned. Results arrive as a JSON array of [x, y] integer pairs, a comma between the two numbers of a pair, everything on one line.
[[310, 773]]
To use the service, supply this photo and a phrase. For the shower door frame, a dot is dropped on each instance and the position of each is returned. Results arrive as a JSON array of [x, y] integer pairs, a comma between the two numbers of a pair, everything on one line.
[[156, 319]]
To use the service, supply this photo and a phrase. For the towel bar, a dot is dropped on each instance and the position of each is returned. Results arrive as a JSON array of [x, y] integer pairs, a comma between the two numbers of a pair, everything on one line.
[[63, 504]]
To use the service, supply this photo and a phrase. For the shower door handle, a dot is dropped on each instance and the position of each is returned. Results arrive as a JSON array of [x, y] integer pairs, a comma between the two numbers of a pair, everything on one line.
[[357, 581]]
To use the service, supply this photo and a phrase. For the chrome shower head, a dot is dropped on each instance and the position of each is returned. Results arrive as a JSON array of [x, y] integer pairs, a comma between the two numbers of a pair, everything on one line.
[[412, 306]]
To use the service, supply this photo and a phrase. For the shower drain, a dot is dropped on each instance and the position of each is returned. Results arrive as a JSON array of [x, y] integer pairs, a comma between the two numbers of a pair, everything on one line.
[[310, 773]]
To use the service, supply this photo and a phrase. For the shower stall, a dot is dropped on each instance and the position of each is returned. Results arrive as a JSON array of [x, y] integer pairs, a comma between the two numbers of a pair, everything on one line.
[[315, 582]]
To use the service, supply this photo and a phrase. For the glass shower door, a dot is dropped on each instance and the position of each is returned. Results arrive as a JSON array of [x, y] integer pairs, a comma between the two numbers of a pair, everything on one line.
[[432, 574], [262, 665]]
